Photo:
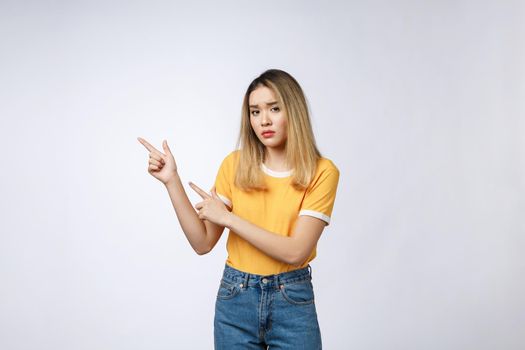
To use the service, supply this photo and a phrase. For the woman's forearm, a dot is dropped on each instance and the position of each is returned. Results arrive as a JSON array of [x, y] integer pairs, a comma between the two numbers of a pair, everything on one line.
[[191, 225], [278, 247]]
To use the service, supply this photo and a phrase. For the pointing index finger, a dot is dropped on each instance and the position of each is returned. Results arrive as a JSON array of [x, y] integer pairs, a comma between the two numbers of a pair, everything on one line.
[[148, 146], [199, 190]]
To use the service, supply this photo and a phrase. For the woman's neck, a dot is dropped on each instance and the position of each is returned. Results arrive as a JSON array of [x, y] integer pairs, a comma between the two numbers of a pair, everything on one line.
[[275, 159]]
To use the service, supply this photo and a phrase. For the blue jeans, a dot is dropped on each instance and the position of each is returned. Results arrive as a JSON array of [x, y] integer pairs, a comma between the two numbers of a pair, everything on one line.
[[261, 312]]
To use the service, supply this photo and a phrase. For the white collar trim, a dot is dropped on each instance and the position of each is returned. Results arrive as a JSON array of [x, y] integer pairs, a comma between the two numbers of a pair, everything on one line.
[[275, 173]]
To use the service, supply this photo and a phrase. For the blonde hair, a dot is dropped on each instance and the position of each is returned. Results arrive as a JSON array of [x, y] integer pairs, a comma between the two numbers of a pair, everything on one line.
[[301, 150]]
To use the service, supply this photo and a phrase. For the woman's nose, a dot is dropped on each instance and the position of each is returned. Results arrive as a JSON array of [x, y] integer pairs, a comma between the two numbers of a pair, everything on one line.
[[265, 120]]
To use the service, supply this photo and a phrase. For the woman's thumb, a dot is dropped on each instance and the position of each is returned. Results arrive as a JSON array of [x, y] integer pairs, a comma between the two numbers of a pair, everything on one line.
[[165, 146]]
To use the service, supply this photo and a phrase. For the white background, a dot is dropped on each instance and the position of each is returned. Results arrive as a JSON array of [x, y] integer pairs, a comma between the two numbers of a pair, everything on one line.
[[420, 104]]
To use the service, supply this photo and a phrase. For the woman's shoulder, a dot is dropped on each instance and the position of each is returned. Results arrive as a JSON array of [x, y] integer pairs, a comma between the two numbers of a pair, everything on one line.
[[232, 156], [231, 159], [325, 164], [326, 176]]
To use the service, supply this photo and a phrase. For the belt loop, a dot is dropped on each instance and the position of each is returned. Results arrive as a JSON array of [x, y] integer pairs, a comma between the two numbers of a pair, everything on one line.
[[246, 277], [277, 282], [310, 270]]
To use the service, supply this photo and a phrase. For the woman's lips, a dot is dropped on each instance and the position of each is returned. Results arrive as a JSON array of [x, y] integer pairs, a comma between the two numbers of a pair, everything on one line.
[[268, 134]]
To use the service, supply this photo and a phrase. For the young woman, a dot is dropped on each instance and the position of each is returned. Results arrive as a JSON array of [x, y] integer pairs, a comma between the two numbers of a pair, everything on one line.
[[275, 194]]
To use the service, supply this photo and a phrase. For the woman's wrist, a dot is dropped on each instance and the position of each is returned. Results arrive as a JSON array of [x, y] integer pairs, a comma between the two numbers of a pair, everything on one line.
[[172, 180], [229, 219]]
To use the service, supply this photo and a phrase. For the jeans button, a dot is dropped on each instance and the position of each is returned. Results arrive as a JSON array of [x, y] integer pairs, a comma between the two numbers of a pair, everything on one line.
[[264, 280]]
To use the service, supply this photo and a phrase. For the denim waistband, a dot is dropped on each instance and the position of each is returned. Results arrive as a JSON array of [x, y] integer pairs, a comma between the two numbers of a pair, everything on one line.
[[248, 279]]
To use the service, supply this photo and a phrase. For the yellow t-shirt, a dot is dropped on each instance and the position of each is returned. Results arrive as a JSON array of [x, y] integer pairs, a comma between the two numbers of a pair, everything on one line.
[[275, 210]]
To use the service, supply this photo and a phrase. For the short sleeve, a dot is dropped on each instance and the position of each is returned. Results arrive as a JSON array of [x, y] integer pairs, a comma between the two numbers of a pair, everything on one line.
[[320, 195], [224, 181]]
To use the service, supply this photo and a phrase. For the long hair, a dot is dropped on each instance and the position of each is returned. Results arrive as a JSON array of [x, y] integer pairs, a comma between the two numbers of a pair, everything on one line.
[[301, 150]]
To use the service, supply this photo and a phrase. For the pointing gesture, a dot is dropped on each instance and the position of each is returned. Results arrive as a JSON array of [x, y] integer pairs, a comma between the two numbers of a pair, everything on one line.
[[211, 208], [200, 191], [161, 166]]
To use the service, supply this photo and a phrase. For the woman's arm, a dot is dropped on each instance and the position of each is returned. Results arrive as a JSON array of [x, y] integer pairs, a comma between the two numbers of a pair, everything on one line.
[[202, 235], [293, 250]]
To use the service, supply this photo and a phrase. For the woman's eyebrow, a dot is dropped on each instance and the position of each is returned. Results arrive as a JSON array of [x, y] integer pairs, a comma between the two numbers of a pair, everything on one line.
[[267, 103]]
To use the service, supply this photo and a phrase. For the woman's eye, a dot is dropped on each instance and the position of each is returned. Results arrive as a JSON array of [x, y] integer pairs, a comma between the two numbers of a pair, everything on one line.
[[254, 112], [276, 109]]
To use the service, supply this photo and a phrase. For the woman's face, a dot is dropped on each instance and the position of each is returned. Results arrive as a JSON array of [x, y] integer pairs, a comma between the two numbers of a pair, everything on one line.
[[268, 118]]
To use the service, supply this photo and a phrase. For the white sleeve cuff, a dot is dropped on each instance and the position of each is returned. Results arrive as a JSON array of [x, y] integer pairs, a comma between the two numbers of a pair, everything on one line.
[[225, 200], [316, 214]]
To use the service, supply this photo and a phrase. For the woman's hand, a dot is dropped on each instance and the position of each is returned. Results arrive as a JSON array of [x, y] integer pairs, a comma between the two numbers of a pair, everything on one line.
[[211, 208], [161, 166]]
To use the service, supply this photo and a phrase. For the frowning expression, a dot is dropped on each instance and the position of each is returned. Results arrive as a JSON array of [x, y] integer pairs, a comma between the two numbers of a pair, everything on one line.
[[268, 118]]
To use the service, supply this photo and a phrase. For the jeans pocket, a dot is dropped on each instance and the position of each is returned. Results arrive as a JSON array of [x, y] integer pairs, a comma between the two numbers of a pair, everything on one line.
[[298, 293], [227, 290]]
